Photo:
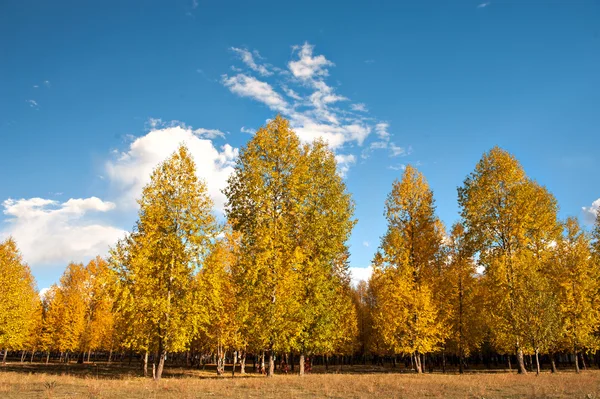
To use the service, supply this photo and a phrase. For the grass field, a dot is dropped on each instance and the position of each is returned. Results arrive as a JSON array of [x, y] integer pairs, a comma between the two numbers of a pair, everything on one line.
[[87, 381]]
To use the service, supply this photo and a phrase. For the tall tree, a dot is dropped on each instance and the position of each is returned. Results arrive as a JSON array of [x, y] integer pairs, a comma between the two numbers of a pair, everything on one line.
[[578, 282], [505, 213], [294, 215], [157, 263], [99, 328], [265, 196], [325, 224], [406, 315], [67, 310], [18, 298], [218, 296], [464, 296]]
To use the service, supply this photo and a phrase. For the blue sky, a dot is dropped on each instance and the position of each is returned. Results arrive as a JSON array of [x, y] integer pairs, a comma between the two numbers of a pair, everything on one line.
[[94, 94]]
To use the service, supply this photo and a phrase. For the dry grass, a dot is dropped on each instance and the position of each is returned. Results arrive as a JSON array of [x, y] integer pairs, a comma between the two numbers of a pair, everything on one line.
[[33, 383]]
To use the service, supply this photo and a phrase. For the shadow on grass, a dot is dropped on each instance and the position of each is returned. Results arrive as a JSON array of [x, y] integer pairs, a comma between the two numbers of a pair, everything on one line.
[[115, 371]]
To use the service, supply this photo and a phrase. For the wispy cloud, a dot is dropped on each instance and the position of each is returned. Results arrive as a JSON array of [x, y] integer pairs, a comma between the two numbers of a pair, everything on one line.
[[360, 107], [209, 133], [369, 61], [249, 59], [47, 83], [32, 103], [249, 86], [484, 5], [397, 167], [302, 94], [194, 4], [247, 130]]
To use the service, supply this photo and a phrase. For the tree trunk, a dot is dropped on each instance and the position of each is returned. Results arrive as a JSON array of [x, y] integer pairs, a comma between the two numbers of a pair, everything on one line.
[[243, 363], [110, 356], [537, 362], [32, 354], [162, 354], [145, 365], [23, 354], [576, 361], [4, 357], [583, 361], [301, 364], [271, 370], [418, 367], [89, 355], [521, 361], [234, 363], [262, 363], [444, 361], [47, 357], [553, 363]]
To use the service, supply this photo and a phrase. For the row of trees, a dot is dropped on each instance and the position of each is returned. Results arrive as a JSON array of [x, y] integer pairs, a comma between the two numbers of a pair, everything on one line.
[[509, 273], [274, 279]]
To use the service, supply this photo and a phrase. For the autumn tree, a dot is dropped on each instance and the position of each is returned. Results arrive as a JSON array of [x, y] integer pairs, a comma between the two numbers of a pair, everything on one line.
[[99, 318], [464, 297], [294, 216], [219, 297], [18, 299], [324, 225], [406, 315], [156, 264], [68, 310], [578, 282]]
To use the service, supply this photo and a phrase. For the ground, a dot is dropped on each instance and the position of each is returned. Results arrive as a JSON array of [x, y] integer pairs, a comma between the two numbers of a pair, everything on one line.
[[102, 381]]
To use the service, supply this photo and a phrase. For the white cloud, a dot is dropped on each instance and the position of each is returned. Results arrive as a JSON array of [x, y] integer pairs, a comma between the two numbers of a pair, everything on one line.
[[248, 58], [36, 86], [130, 170], [397, 167], [360, 274], [382, 130], [209, 133], [366, 244], [483, 5], [247, 130], [335, 135], [291, 93], [360, 107], [399, 151], [48, 231], [32, 103], [248, 86], [307, 66], [589, 213], [314, 108], [344, 162]]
